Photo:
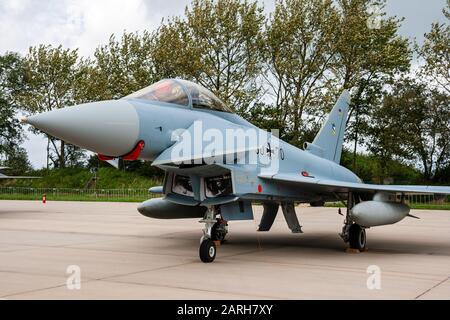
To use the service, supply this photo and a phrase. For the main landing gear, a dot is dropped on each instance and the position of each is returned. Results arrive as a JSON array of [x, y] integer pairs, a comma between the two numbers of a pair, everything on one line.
[[357, 237], [214, 232], [352, 233]]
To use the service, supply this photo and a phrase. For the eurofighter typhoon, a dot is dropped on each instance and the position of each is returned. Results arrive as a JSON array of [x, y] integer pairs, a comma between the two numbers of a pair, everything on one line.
[[217, 164]]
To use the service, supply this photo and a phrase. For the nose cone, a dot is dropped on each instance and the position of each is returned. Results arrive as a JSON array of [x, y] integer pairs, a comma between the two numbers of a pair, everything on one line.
[[107, 127]]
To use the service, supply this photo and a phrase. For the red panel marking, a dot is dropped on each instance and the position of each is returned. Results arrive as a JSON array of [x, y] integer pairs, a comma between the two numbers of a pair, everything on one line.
[[134, 154], [259, 188], [104, 158], [305, 173]]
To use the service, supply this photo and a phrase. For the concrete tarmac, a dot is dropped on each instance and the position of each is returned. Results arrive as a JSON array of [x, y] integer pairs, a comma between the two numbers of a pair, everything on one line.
[[123, 255]]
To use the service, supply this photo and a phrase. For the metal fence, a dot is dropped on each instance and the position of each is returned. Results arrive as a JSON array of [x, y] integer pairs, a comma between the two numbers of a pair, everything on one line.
[[75, 194], [427, 199], [138, 195]]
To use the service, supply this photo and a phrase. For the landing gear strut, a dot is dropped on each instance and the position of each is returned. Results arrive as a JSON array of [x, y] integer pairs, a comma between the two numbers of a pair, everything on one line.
[[219, 230], [215, 230]]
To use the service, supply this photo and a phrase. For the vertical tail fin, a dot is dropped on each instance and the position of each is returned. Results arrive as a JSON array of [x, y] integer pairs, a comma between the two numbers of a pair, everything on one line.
[[328, 142]]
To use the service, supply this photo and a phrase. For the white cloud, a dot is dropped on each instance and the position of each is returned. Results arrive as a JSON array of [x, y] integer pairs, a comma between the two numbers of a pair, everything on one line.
[[82, 24], [97, 20]]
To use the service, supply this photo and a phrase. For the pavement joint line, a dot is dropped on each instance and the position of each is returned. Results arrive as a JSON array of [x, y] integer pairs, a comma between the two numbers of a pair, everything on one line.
[[90, 233], [39, 289], [417, 276], [414, 275], [256, 250], [42, 274], [30, 247], [110, 279], [192, 289], [115, 280], [146, 270], [130, 252], [345, 269], [433, 287], [232, 256]]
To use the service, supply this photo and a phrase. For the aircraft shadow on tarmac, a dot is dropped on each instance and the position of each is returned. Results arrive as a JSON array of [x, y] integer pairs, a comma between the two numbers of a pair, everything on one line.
[[324, 242], [22, 211]]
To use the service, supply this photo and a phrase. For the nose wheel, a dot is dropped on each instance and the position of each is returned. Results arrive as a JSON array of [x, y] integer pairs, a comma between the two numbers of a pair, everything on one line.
[[214, 232], [207, 251]]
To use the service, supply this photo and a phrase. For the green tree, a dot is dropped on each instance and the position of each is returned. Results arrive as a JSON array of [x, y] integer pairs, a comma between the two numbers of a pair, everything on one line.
[[435, 52], [369, 54], [11, 134], [51, 81], [218, 45], [121, 67], [300, 47], [413, 124], [318, 48], [17, 161]]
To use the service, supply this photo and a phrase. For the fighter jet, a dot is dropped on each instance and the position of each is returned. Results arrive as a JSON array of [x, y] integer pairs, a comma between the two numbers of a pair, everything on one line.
[[4, 176], [217, 164]]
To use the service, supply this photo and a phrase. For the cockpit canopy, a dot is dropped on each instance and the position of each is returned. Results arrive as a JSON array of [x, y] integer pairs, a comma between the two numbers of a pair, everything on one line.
[[180, 92]]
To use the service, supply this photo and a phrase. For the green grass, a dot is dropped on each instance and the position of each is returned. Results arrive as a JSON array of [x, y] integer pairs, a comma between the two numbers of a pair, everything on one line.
[[334, 205], [72, 198], [79, 178], [444, 206], [76, 184]]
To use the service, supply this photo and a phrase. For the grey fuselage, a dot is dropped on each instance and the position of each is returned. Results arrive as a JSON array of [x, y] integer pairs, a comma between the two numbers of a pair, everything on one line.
[[157, 122]]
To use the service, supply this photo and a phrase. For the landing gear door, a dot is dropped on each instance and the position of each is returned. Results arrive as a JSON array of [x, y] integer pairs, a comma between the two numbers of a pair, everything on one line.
[[238, 210]]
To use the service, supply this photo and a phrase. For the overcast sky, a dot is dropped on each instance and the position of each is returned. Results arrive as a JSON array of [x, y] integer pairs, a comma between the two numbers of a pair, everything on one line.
[[85, 24]]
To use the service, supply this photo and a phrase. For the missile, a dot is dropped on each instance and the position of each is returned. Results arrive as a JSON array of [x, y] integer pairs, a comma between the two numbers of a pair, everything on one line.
[[378, 213], [160, 208]]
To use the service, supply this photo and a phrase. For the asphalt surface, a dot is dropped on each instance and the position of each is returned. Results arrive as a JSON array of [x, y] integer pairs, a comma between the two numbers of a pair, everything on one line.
[[122, 255]]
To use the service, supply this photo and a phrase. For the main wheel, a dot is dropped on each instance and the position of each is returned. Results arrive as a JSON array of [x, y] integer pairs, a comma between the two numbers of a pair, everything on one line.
[[219, 231], [357, 237], [207, 251]]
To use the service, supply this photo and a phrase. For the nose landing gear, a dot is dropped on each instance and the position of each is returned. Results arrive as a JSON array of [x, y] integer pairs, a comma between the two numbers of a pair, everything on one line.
[[214, 232]]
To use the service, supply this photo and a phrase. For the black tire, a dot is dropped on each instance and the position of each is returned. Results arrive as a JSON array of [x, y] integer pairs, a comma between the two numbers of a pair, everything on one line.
[[216, 235], [207, 251], [357, 237]]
